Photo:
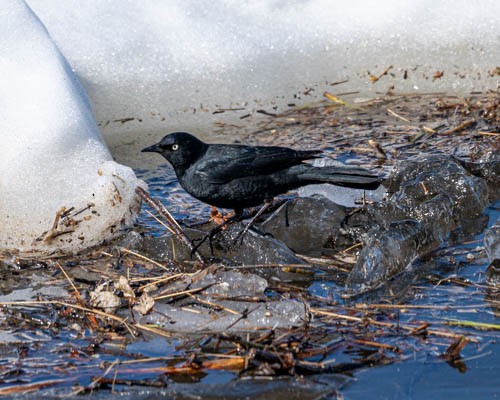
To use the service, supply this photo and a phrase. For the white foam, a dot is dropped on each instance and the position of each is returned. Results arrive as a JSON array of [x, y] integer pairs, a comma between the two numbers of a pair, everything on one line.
[[52, 154], [166, 62]]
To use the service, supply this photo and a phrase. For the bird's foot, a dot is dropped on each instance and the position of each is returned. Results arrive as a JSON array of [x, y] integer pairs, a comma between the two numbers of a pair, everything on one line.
[[218, 218], [219, 228]]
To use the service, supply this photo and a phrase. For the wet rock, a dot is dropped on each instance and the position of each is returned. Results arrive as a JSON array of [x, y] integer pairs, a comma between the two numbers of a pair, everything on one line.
[[488, 168], [492, 242], [306, 225], [493, 273], [430, 199], [253, 249]]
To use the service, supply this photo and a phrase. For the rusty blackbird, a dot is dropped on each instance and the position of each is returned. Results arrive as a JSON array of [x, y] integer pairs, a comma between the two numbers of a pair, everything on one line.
[[238, 176]]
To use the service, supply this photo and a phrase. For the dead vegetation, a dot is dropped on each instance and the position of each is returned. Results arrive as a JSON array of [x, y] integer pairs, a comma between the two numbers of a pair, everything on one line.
[[81, 333]]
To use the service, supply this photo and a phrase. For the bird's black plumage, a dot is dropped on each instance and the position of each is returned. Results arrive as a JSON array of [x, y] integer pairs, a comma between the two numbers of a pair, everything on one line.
[[238, 176]]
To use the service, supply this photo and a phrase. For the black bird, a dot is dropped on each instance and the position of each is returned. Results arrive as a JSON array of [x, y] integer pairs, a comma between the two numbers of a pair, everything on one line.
[[238, 176]]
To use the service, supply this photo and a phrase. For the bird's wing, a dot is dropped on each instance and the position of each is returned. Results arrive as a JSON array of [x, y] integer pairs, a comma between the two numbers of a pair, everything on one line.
[[223, 163]]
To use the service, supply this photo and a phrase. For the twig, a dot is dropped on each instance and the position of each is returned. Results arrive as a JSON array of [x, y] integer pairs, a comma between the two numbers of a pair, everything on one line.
[[30, 387], [386, 324], [398, 116], [163, 212], [452, 353], [476, 325], [214, 305], [460, 126], [415, 306], [371, 343], [334, 99], [183, 292], [352, 247], [143, 257], [168, 228], [54, 231], [488, 133], [77, 292], [374, 78], [92, 385]]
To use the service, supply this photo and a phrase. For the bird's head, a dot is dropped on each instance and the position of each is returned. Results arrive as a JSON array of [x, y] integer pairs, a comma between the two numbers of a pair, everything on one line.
[[181, 149]]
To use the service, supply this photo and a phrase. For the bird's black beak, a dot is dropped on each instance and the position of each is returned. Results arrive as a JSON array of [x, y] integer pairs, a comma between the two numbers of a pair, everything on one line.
[[152, 149]]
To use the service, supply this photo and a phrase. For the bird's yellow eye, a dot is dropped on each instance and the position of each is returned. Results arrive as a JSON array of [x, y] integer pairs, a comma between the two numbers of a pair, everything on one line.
[[175, 147]]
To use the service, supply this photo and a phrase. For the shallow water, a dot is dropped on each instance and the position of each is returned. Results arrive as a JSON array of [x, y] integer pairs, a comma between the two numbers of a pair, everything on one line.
[[449, 285], [41, 342]]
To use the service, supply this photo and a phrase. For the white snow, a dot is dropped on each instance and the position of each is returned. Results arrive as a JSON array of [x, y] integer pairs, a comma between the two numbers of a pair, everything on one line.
[[52, 155], [170, 63]]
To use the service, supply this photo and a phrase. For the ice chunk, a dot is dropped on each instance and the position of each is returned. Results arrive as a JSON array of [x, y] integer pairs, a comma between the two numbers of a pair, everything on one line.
[[341, 195], [234, 316], [431, 197], [60, 191], [492, 276], [225, 300]]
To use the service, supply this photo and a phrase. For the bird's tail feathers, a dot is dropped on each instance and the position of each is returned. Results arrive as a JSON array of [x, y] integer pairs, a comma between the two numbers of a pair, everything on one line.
[[352, 177]]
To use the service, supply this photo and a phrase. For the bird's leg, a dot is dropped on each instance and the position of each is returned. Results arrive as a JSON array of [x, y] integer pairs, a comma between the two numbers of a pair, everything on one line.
[[287, 220], [267, 204], [238, 215], [345, 220]]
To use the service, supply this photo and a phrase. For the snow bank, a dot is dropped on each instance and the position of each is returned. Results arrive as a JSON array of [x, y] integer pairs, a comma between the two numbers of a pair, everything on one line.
[[52, 158], [168, 64]]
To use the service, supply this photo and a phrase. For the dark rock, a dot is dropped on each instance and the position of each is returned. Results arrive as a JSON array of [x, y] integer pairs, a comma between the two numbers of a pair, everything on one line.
[[253, 249], [306, 225], [81, 274]]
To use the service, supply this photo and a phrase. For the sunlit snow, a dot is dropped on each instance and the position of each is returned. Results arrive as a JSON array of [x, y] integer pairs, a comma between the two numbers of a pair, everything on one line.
[[169, 64], [52, 155]]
